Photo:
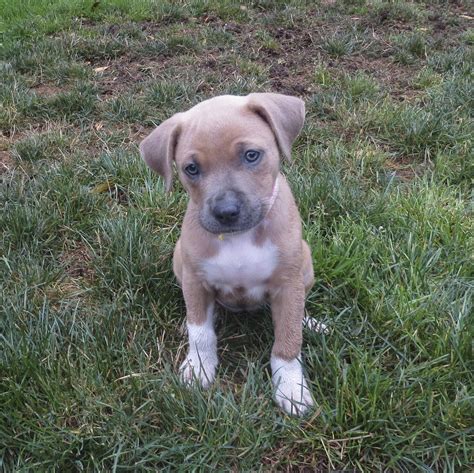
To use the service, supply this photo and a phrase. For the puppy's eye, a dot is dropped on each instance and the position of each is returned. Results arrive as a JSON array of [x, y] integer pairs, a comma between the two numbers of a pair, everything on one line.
[[252, 156], [192, 170]]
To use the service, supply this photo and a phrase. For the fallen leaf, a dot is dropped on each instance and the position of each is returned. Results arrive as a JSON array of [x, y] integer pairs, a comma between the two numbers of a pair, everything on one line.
[[105, 186], [100, 69]]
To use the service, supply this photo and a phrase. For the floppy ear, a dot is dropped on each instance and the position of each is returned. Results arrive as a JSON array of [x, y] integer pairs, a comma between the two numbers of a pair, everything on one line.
[[158, 148], [284, 114]]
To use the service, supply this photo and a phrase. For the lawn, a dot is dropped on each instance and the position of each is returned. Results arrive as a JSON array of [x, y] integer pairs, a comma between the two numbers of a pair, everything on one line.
[[91, 318]]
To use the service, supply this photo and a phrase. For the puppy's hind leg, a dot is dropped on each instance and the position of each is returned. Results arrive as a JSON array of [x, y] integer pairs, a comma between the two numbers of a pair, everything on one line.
[[308, 272], [310, 323]]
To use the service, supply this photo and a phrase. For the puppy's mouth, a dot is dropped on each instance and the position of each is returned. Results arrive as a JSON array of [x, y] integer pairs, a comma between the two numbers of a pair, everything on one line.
[[217, 229], [246, 220]]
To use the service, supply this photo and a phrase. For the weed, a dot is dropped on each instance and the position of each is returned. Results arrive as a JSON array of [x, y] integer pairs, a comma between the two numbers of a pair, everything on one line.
[[75, 105], [39, 147], [384, 12], [426, 78], [359, 86], [322, 76], [126, 109], [338, 45], [410, 48]]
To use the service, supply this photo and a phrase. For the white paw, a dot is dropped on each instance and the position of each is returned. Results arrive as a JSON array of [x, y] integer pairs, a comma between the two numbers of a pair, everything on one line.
[[200, 364], [291, 389], [314, 325], [198, 369]]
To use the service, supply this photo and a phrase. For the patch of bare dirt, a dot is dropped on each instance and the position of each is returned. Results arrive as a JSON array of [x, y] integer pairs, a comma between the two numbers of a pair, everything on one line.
[[291, 64], [315, 462], [47, 90], [397, 80], [77, 262], [118, 76], [6, 162], [405, 169], [446, 25]]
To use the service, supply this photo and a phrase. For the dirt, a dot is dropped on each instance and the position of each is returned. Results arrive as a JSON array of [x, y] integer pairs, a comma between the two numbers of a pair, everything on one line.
[[291, 64], [47, 90], [6, 162], [77, 262], [405, 169], [394, 79], [281, 453], [119, 75], [127, 71]]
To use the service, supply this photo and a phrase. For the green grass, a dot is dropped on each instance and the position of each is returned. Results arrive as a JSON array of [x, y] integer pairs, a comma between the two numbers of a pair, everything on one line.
[[91, 318]]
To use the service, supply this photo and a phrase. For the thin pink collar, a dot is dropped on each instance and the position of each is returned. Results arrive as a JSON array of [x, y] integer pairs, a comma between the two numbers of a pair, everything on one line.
[[276, 188]]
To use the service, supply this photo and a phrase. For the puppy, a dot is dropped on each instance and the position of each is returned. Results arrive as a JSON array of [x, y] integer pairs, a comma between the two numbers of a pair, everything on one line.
[[241, 243]]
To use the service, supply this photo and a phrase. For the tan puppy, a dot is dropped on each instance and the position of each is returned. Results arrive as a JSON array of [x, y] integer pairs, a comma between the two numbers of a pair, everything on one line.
[[241, 241]]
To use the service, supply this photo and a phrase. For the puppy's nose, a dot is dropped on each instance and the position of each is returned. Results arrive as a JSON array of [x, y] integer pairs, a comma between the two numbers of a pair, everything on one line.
[[227, 208], [227, 212]]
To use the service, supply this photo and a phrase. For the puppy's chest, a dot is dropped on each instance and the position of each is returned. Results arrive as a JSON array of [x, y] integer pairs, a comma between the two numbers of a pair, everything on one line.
[[240, 266]]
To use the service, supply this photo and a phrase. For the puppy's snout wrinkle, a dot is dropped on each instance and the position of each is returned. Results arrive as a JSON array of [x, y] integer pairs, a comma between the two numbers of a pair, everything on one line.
[[226, 207]]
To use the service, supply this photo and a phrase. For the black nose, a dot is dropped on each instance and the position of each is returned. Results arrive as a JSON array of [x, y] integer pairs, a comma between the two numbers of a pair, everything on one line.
[[226, 208], [227, 212]]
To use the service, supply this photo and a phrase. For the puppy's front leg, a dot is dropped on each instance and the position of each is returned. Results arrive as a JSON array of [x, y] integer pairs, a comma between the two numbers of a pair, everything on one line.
[[291, 389], [201, 361]]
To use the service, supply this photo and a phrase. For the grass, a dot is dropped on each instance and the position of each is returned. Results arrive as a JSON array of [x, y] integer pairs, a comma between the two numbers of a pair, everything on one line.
[[91, 318]]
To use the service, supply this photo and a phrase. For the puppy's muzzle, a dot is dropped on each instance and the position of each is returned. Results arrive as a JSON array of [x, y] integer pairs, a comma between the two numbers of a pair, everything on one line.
[[226, 207], [230, 211]]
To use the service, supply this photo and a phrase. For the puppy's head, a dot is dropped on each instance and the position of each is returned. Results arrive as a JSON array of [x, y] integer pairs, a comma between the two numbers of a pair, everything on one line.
[[227, 152]]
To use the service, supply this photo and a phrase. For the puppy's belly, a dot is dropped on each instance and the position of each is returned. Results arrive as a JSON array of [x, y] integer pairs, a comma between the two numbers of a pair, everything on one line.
[[239, 273]]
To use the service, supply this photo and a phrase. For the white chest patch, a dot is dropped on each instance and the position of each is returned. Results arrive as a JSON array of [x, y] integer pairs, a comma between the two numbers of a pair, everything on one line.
[[241, 264]]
